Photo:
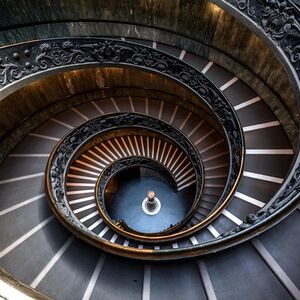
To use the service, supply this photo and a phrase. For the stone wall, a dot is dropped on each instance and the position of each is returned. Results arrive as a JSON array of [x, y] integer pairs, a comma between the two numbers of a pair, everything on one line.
[[197, 26]]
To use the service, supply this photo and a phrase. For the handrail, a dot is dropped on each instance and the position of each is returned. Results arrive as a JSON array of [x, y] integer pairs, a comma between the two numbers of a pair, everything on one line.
[[69, 147], [287, 197], [79, 138], [118, 166], [35, 59], [278, 23]]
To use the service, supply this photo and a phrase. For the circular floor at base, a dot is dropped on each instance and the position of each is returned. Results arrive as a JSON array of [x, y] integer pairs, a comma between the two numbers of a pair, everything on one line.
[[130, 188]]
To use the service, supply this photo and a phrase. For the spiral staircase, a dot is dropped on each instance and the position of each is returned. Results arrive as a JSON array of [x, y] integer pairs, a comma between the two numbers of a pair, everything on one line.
[[102, 103]]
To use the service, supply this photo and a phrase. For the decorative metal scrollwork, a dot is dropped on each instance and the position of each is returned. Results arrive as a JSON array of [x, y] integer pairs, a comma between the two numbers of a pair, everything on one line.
[[72, 144], [279, 20], [21, 61], [120, 165]]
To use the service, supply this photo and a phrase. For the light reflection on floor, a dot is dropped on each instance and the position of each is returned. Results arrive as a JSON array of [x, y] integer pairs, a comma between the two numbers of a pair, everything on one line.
[[126, 203]]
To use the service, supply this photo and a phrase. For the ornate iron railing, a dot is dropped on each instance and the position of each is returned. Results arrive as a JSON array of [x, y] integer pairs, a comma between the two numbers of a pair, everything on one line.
[[123, 164], [278, 23], [70, 147], [26, 62]]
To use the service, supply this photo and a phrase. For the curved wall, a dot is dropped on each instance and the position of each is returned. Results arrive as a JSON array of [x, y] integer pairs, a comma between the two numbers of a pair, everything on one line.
[[197, 26], [33, 104]]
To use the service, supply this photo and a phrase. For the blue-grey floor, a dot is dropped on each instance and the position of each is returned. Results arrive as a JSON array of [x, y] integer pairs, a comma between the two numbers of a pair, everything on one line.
[[126, 203]]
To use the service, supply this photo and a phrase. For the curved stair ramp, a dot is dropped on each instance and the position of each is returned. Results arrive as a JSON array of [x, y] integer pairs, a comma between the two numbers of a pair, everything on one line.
[[37, 250]]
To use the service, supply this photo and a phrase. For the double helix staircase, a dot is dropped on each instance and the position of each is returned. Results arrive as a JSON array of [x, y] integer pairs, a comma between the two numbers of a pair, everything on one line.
[[39, 251]]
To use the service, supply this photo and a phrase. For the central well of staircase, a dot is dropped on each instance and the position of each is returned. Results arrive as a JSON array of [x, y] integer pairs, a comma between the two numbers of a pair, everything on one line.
[[126, 201]]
